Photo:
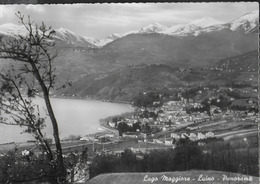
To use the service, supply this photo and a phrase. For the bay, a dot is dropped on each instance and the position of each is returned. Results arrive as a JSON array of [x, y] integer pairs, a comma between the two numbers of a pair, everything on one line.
[[74, 116]]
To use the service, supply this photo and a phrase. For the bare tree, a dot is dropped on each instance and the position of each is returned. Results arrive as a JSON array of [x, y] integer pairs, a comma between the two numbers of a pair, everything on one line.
[[33, 55]]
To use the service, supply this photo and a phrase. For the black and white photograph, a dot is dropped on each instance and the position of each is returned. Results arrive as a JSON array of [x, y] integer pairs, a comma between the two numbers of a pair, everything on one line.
[[129, 93]]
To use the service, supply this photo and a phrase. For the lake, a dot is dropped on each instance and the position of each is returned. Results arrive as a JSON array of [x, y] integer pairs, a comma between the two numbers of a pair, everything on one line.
[[74, 116]]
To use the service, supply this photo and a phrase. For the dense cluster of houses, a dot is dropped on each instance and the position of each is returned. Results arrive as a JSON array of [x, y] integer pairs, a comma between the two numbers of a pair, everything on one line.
[[169, 114], [170, 141], [193, 136], [172, 114]]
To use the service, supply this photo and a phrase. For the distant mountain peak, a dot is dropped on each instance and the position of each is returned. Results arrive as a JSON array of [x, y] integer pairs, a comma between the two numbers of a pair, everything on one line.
[[156, 24], [113, 36], [102, 42], [250, 16], [182, 29], [254, 14], [246, 22], [62, 29], [153, 28], [11, 29], [206, 22], [9, 25], [66, 36]]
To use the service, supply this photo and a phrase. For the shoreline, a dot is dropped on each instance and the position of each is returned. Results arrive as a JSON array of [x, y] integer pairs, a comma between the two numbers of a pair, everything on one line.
[[101, 124], [107, 128], [89, 98]]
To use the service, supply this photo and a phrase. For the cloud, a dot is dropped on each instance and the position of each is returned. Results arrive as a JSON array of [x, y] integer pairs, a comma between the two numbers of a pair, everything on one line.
[[36, 8], [99, 20], [1, 11], [6, 11]]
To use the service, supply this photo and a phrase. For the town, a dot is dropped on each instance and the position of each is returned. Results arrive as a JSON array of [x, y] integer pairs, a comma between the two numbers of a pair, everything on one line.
[[160, 123], [138, 93], [164, 123]]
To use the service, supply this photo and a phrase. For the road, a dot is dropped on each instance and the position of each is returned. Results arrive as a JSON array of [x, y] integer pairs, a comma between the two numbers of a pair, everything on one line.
[[212, 124], [239, 133]]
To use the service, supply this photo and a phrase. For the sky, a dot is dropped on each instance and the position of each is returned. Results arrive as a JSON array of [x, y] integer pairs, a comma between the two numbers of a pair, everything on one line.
[[100, 20]]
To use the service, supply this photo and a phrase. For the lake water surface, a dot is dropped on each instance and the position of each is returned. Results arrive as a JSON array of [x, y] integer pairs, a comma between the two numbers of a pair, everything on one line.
[[75, 117]]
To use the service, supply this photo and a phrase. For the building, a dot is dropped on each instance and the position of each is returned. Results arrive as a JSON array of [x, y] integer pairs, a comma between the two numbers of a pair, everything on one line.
[[168, 142], [131, 135], [209, 134], [112, 124], [156, 103], [184, 135], [164, 129], [143, 135], [201, 136], [172, 103], [103, 139], [158, 141], [86, 138], [175, 136], [193, 137]]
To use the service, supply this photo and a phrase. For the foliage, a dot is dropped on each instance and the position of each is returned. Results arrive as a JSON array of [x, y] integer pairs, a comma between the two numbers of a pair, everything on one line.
[[147, 114], [242, 84], [147, 99], [33, 74], [116, 119], [123, 127], [215, 155], [33, 168], [191, 93], [76, 164], [17, 168], [103, 164], [146, 128], [204, 108], [223, 103], [126, 162]]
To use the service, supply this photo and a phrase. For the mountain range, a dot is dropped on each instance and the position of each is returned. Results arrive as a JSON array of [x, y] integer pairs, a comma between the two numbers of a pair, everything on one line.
[[245, 23], [121, 66]]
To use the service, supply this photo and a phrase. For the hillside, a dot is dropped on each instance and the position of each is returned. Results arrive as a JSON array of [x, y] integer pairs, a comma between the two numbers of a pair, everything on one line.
[[244, 62], [204, 49], [113, 71], [241, 69], [194, 175], [126, 83]]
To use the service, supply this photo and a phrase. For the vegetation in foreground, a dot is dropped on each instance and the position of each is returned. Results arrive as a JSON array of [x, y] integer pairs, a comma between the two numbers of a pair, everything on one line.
[[188, 155], [32, 74]]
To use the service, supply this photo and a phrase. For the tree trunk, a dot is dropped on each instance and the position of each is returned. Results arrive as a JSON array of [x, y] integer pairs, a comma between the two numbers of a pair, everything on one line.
[[60, 164], [61, 171]]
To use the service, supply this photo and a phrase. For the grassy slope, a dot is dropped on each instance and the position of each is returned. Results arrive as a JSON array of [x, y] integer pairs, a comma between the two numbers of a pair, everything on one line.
[[136, 178]]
